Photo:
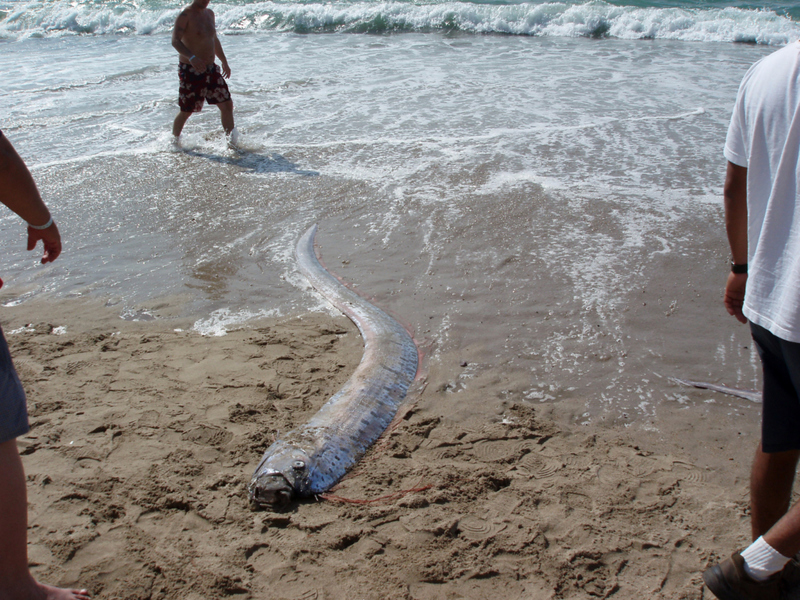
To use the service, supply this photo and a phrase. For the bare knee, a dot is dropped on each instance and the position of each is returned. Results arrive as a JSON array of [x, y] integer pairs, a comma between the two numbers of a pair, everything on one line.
[[784, 461]]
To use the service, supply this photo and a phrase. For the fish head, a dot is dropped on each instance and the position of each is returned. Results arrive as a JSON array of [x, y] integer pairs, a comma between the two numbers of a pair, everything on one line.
[[281, 477], [270, 489]]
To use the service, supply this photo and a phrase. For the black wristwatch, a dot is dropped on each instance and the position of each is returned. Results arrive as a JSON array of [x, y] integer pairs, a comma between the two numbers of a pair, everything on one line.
[[738, 269]]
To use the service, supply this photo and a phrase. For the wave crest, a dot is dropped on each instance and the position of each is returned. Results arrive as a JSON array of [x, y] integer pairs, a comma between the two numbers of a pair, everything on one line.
[[52, 18]]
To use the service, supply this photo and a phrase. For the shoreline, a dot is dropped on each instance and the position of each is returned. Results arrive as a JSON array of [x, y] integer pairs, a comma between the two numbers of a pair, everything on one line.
[[144, 438]]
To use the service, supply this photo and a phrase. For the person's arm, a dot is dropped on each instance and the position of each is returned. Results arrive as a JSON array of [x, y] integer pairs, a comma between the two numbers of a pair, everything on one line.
[[735, 194], [177, 35], [19, 193], [226, 70]]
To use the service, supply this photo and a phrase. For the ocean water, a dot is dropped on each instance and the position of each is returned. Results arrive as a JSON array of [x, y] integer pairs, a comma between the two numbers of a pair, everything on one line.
[[533, 188], [760, 21]]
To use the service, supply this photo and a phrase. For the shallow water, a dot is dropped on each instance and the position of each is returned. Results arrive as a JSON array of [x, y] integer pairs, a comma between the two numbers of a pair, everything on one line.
[[543, 210]]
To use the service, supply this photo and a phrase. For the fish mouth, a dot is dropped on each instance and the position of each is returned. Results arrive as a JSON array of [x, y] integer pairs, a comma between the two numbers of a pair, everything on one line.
[[271, 490]]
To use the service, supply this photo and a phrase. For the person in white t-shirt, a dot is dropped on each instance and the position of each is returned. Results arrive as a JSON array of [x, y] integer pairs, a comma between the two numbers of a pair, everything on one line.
[[762, 219]]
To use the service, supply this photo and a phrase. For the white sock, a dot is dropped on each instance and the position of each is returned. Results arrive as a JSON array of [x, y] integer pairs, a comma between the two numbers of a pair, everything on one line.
[[762, 560]]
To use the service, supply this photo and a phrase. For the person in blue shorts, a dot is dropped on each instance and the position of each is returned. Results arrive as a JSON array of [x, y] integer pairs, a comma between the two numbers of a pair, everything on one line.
[[19, 193]]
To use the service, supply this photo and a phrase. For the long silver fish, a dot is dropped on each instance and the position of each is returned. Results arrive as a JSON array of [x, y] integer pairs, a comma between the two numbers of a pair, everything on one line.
[[310, 459], [751, 395]]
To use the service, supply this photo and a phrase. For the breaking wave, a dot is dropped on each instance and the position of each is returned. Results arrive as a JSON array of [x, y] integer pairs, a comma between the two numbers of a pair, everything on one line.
[[52, 18]]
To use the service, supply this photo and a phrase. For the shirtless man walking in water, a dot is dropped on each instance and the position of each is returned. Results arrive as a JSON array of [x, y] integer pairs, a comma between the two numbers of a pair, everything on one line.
[[195, 38]]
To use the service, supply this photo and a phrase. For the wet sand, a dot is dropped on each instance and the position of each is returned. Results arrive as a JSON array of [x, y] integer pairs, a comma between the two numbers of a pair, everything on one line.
[[144, 438]]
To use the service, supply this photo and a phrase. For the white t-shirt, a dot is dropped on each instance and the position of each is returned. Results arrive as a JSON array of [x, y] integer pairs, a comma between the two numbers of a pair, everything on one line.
[[764, 136]]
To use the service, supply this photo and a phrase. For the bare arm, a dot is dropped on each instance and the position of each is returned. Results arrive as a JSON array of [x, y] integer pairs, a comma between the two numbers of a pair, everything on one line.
[[19, 193], [178, 32], [226, 70], [736, 227]]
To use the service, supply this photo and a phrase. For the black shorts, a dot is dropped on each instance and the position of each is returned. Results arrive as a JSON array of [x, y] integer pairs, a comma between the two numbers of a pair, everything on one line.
[[780, 420], [13, 408]]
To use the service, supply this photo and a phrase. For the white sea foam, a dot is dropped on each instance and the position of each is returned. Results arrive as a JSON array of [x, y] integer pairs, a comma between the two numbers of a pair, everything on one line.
[[221, 321], [39, 18], [29, 328], [505, 181]]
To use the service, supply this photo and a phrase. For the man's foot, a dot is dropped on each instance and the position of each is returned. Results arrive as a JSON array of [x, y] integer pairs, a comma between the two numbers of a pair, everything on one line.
[[728, 581], [233, 139], [791, 579], [33, 590], [54, 593]]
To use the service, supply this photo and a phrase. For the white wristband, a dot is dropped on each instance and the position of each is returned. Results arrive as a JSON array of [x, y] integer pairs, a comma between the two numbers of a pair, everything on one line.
[[192, 57], [45, 226]]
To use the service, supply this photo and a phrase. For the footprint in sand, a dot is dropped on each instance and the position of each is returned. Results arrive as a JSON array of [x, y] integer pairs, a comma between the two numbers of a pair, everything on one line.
[[540, 467], [576, 499], [149, 418], [416, 522], [581, 467], [208, 435], [280, 537], [688, 472], [578, 461], [264, 557], [445, 453], [640, 466], [501, 450], [474, 528]]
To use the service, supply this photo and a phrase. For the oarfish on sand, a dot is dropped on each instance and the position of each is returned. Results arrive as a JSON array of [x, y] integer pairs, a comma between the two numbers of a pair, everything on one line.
[[751, 395], [310, 459]]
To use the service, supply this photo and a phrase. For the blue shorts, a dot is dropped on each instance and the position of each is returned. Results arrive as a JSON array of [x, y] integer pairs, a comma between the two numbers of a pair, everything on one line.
[[13, 407], [780, 420]]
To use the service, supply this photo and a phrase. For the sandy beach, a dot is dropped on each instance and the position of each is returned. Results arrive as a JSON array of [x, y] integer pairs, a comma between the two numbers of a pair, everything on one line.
[[144, 436], [542, 211]]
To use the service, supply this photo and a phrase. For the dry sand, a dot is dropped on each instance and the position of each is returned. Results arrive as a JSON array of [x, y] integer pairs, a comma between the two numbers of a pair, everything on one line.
[[144, 439]]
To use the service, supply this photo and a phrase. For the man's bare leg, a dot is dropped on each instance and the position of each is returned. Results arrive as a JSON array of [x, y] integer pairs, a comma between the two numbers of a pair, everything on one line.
[[771, 480], [784, 536], [16, 581], [180, 121], [226, 113]]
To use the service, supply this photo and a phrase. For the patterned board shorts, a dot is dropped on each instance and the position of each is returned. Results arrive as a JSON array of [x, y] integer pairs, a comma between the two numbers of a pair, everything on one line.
[[13, 408], [196, 87]]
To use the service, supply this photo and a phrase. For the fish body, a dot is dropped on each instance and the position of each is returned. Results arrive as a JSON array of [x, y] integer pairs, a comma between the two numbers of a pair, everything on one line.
[[312, 458]]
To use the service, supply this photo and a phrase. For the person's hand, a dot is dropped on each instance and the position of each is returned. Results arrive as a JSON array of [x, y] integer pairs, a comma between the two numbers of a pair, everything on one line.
[[198, 63], [51, 239], [226, 70], [734, 295]]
